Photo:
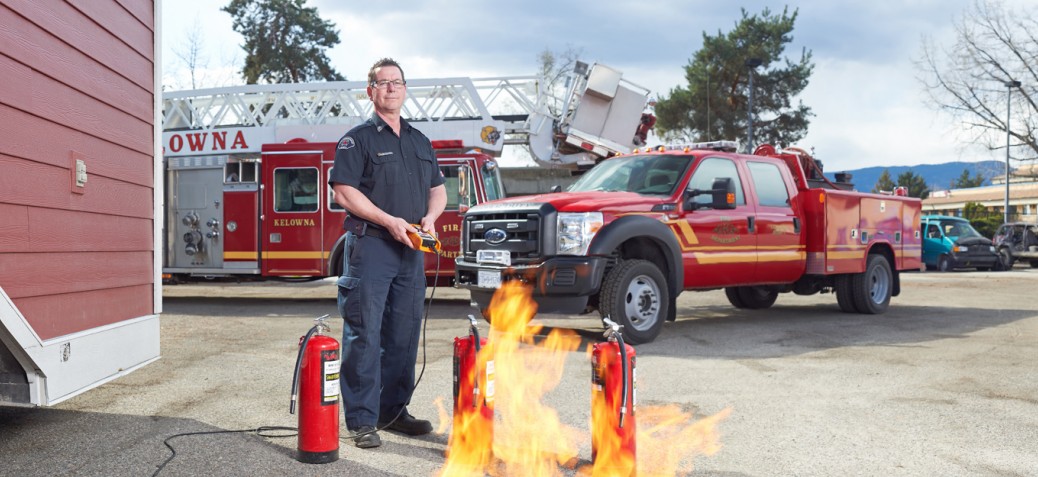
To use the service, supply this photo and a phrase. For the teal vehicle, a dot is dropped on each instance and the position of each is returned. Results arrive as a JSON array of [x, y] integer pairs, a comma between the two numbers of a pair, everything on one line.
[[951, 242]]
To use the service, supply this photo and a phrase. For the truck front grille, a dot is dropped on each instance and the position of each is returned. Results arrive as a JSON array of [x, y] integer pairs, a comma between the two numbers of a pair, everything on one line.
[[518, 232]]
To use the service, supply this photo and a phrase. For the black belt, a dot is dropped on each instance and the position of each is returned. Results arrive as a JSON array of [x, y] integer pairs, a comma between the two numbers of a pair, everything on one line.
[[361, 228]]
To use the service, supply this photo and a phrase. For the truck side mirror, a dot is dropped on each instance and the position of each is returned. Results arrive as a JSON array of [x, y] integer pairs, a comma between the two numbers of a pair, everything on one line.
[[556, 188], [722, 194], [463, 190]]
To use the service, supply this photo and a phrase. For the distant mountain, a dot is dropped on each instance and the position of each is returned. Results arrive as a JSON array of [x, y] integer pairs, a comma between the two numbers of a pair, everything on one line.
[[937, 176]]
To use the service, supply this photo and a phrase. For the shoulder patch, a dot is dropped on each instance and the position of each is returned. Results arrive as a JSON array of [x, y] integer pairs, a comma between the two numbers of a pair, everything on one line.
[[346, 143]]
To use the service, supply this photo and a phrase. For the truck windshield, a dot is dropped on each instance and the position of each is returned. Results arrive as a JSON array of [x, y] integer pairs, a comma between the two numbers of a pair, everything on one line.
[[955, 228], [652, 174], [492, 182]]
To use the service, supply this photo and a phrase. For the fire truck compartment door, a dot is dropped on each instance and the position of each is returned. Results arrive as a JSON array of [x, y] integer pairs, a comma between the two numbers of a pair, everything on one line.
[[292, 224]]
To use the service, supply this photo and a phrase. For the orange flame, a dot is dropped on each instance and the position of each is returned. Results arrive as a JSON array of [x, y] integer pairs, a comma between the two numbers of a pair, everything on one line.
[[528, 437]]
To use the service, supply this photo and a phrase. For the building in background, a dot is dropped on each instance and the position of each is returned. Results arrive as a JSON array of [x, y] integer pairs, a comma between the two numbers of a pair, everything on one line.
[[79, 195], [1023, 197]]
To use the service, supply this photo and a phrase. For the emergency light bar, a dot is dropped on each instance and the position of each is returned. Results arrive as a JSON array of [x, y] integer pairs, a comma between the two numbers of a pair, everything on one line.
[[439, 144], [723, 146]]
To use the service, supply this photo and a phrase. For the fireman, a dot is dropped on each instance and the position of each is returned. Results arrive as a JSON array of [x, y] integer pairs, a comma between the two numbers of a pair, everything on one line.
[[386, 176]]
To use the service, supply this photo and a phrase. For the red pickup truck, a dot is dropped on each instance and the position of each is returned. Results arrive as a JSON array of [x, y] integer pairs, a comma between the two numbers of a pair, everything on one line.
[[638, 229]]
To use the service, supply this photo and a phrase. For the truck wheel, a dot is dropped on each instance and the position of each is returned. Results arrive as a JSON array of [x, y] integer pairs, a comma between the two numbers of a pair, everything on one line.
[[733, 297], [635, 295], [1034, 263], [872, 288], [845, 294], [943, 264], [1005, 258], [751, 298]]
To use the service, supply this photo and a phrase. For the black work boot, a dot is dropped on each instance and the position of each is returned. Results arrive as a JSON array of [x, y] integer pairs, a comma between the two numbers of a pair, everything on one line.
[[407, 424], [368, 437]]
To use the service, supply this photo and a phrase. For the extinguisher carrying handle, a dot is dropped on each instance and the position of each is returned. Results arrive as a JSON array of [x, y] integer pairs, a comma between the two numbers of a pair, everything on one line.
[[613, 329]]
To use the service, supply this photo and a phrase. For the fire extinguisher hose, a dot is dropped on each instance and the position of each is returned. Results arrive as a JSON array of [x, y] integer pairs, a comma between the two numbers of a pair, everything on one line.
[[299, 362], [624, 375]]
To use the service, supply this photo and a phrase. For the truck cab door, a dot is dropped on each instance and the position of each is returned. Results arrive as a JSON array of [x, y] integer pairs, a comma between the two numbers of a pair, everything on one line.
[[781, 244], [933, 243], [292, 223], [718, 246]]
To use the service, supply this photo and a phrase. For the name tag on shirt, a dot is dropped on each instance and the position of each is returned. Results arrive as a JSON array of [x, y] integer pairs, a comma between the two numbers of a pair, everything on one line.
[[390, 153]]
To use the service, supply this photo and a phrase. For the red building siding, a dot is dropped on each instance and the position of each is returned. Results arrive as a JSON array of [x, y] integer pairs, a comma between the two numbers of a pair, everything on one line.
[[78, 79]]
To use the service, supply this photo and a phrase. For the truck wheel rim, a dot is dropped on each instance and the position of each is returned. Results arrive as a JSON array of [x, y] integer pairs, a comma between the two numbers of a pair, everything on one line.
[[879, 284], [642, 302]]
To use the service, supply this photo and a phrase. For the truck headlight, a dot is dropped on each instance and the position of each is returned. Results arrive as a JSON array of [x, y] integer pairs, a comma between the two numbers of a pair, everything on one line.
[[960, 249], [575, 231], [992, 248]]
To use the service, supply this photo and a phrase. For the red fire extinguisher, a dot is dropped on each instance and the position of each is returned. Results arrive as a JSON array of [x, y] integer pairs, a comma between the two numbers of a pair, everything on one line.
[[473, 391], [613, 390], [316, 384]]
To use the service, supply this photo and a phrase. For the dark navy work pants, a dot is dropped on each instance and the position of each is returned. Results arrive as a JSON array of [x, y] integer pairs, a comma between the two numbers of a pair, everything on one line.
[[380, 299]]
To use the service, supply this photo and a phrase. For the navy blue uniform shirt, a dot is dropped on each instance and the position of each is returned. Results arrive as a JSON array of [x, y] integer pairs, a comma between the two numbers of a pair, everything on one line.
[[395, 173]]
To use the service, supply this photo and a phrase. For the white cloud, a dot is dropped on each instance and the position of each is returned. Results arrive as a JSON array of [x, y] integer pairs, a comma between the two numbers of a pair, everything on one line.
[[868, 105]]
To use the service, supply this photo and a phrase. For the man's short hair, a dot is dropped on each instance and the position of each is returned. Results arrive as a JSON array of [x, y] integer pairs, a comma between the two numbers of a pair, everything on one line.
[[384, 62]]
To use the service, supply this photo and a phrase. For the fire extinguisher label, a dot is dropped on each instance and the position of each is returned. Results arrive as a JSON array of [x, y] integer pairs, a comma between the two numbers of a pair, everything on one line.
[[634, 385], [490, 382], [597, 381], [330, 360]]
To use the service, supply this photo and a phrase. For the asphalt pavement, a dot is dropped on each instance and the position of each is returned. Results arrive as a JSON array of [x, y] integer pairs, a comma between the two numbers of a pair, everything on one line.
[[942, 384]]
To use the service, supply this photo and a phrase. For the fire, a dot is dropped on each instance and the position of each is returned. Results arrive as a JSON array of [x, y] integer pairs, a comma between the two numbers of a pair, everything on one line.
[[668, 439], [528, 437]]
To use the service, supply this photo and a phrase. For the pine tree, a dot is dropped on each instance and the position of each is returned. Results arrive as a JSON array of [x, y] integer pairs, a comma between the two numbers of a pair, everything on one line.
[[714, 104], [915, 184], [285, 41], [965, 181], [884, 183]]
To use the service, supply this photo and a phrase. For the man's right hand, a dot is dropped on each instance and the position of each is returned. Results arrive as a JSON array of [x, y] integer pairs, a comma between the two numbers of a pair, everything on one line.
[[399, 229]]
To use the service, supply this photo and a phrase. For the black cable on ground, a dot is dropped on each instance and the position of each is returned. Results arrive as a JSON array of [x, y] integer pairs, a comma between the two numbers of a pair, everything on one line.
[[263, 431]]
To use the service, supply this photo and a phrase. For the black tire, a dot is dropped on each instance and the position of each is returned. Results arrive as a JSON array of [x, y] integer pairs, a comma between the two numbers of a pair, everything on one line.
[[983, 269], [1005, 257], [873, 288], [752, 298], [635, 295], [944, 264], [733, 297], [1034, 263], [845, 294]]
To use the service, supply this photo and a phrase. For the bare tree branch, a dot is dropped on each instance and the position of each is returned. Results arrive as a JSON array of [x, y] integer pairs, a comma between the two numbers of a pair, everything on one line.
[[968, 80]]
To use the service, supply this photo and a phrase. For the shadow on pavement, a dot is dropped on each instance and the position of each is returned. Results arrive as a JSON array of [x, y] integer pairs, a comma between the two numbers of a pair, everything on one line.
[[47, 441], [724, 332]]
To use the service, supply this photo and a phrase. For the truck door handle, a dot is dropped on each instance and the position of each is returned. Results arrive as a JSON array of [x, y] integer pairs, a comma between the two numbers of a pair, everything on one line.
[[750, 222], [796, 225]]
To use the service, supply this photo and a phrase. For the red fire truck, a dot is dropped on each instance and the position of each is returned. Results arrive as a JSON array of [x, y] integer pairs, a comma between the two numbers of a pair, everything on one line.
[[247, 167], [636, 230], [275, 216]]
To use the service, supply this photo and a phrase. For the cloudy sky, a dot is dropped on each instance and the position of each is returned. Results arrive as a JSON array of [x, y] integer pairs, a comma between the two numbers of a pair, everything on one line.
[[869, 107]]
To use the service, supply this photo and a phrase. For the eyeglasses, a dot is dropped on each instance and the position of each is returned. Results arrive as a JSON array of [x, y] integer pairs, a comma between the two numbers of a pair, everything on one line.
[[382, 84]]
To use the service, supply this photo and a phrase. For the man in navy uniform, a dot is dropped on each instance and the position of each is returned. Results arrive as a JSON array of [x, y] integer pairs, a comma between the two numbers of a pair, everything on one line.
[[387, 178]]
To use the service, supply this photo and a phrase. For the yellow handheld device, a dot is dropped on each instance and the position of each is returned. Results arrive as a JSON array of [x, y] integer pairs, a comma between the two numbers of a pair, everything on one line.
[[423, 241]]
